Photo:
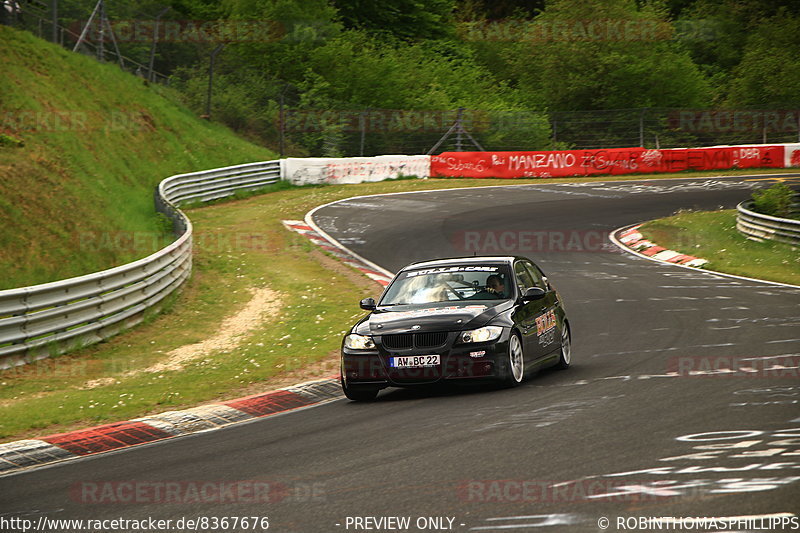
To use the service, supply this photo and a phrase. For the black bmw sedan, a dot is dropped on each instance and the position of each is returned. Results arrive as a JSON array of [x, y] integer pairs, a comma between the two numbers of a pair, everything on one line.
[[471, 318]]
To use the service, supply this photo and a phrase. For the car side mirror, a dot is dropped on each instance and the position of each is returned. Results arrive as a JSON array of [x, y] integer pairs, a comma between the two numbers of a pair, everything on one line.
[[368, 304], [534, 293]]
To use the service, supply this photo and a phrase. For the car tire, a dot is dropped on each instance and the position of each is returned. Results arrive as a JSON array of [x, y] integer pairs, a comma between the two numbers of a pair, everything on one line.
[[516, 362], [565, 358], [360, 394]]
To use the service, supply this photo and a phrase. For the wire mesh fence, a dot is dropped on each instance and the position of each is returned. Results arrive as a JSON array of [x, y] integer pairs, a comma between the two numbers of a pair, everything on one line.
[[369, 131], [674, 127], [36, 16]]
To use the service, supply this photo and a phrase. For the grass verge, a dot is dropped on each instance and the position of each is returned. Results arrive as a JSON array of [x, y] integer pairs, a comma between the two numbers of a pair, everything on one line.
[[240, 246], [712, 235], [82, 145]]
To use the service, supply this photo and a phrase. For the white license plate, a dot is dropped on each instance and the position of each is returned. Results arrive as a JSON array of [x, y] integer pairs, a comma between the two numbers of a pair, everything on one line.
[[414, 361]]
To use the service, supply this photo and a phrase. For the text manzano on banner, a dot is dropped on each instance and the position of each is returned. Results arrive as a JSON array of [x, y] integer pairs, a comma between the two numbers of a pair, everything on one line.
[[559, 163]]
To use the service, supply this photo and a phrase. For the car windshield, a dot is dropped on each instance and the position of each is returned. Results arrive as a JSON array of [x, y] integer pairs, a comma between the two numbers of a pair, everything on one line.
[[449, 283]]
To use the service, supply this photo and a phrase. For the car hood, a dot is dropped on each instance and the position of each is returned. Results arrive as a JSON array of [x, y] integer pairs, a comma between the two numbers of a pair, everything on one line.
[[433, 317]]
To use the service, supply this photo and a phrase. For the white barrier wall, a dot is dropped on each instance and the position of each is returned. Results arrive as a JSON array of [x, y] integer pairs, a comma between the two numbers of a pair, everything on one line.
[[335, 170], [791, 155]]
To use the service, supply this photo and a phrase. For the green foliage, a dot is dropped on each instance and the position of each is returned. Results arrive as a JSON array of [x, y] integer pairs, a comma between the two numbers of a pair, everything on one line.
[[775, 201], [79, 197], [405, 19], [625, 60], [350, 70], [163, 224], [498, 9], [8, 140], [769, 73], [719, 31]]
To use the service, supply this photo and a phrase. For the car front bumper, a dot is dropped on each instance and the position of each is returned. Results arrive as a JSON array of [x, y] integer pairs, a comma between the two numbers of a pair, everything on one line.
[[458, 362]]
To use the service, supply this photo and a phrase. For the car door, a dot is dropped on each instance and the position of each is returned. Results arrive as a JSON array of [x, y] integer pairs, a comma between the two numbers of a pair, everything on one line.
[[547, 328], [526, 314]]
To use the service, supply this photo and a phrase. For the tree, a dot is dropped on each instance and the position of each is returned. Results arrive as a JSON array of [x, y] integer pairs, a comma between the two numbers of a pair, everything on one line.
[[716, 32], [769, 73], [404, 19], [581, 55]]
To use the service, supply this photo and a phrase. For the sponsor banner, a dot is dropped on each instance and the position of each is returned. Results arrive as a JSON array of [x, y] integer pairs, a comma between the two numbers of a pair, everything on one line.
[[319, 170], [563, 163]]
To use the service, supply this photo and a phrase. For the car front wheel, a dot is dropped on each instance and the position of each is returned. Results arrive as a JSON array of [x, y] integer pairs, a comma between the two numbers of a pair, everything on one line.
[[565, 358], [516, 362]]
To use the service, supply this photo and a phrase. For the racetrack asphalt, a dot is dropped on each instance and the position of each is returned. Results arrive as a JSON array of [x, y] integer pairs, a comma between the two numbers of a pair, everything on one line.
[[646, 423]]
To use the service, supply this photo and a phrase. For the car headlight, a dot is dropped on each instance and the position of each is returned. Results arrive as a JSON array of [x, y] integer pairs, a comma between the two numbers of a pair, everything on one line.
[[484, 334], [359, 342]]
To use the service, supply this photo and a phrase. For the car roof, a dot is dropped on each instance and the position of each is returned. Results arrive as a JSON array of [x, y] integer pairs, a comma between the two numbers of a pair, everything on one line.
[[463, 261]]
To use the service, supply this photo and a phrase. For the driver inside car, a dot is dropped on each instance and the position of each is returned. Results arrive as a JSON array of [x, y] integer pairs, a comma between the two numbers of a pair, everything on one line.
[[494, 290]]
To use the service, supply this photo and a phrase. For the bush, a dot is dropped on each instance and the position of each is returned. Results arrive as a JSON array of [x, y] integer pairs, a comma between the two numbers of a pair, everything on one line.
[[775, 201], [8, 140]]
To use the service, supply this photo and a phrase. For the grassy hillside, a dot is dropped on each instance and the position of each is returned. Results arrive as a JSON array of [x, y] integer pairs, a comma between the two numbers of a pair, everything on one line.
[[82, 145]]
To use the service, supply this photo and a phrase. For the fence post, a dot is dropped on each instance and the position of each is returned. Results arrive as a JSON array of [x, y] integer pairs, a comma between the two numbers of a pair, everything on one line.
[[150, 77], [363, 126], [641, 126], [281, 125], [54, 16], [101, 42], [211, 79], [458, 129], [555, 130]]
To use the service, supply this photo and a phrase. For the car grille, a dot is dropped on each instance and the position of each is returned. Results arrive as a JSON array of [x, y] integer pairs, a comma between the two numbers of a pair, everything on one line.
[[415, 340]]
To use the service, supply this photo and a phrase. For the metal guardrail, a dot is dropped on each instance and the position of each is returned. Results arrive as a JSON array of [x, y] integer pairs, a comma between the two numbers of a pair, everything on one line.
[[759, 226], [219, 182], [49, 319]]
